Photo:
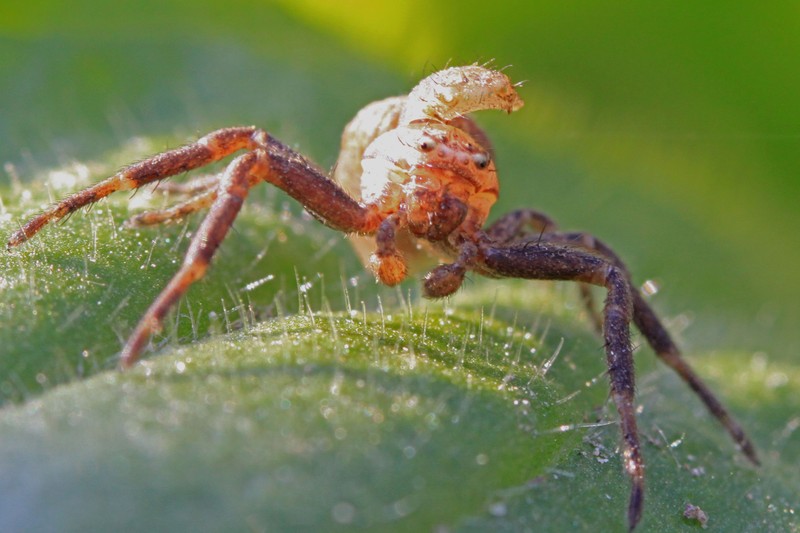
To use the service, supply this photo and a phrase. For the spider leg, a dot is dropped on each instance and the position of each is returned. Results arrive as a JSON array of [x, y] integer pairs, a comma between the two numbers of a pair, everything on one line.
[[271, 162], [662, 344], [321, 196], [233, 189], [203, 200], [557, 262], [212, 147], [519, 223], [530, 224], [648, 323]]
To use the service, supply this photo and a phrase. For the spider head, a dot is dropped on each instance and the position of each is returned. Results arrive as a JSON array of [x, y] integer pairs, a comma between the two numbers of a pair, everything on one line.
[[438, 174], [449, 158]]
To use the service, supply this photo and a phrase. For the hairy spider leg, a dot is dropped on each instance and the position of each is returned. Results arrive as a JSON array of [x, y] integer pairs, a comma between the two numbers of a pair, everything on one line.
[[529, 223], [648, 323], [517, 223], [547, 261], [212, 147], [268, 160], [232, 191], [662, 344], [202, 192], [274, 163], [197, 202]]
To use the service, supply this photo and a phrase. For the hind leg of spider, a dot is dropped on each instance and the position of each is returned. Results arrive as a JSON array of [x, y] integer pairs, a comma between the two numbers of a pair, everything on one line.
[[665, 348], [212, 147], [203, 200], [648, 323], [203, 191], [548, 261]]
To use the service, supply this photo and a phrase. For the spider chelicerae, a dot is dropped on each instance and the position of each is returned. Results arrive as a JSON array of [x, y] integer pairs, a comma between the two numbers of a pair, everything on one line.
[[415, 178]]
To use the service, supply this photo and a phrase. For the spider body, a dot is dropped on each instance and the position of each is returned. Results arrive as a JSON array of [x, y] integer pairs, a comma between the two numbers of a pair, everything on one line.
[[432, 180], [414, 182], [425, 166]]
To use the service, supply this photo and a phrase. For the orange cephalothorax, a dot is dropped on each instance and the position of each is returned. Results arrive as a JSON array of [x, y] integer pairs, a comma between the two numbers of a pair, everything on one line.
[[433, 158]]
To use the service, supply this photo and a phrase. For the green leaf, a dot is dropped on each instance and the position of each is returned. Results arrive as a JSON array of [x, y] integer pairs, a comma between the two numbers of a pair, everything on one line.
[[299, 422]]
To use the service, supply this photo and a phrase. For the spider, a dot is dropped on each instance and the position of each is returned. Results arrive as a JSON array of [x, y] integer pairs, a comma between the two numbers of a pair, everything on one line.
[[415, 178]]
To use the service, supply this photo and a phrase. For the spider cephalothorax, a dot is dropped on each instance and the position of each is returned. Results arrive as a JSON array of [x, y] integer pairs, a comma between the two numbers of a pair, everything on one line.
[[414, 182]]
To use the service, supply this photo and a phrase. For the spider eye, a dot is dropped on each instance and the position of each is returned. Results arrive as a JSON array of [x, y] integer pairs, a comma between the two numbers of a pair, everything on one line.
[[481, 160], [427, 144]]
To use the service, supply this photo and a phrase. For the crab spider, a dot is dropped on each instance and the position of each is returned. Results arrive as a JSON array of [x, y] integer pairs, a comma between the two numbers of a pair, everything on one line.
[[415, 177]]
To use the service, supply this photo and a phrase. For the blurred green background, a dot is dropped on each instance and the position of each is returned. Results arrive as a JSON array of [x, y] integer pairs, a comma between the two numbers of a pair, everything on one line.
[[671, 131]]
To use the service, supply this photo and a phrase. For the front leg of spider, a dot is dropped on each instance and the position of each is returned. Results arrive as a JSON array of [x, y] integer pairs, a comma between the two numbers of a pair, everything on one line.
[[270, 162], [213, 147], [266, 160]]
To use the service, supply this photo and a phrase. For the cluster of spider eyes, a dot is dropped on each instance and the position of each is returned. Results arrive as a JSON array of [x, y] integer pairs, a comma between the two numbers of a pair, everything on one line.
[[480, 159]]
